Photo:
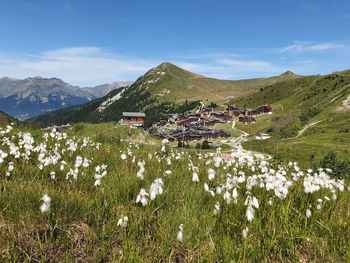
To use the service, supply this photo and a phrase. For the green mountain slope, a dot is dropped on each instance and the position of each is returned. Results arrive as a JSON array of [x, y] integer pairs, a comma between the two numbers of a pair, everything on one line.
[[166, 88], [6, 119], [311, 116]]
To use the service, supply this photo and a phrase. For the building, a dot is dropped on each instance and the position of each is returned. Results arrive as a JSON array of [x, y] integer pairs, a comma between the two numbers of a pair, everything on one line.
[[246, 119], [136, 119]]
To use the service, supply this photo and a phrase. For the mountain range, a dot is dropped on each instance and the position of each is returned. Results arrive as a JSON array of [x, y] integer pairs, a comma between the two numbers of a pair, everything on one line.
[[104, 89], [25, 98], [165, 88]]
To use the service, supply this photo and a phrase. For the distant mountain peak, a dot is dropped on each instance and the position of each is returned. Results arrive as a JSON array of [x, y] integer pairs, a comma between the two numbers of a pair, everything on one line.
[[172, 69], [288, 73], [8, 78]]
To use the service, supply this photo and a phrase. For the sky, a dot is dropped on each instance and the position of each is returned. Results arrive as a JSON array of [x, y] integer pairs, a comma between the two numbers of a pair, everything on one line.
[[87, 43]]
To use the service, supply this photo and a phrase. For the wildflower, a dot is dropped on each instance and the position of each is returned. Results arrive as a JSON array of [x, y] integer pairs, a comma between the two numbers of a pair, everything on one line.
[[308, 213], [227, 197], [234, 193], [245, 232], [123, 156], [53, 175], [156, 188], [211, 174], [142, 197], [45, 207], [195, 177], [86, 163], [251, 202], [123, 221], [78, 161], [180, 233], [140, 172], [250, 213], [216, 208], [168, 172]]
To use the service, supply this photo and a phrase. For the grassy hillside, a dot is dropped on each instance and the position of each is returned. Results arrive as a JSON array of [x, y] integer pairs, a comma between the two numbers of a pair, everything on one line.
[[6, 119], [309, 117], [78, 219], [172, 83], [166, 88]]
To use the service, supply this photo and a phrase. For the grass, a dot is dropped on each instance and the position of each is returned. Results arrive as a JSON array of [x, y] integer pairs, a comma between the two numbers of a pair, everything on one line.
[[82, 222]]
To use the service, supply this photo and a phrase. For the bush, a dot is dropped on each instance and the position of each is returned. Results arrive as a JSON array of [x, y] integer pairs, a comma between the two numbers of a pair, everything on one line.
[[340, 168], [307, 115], [205, 145]]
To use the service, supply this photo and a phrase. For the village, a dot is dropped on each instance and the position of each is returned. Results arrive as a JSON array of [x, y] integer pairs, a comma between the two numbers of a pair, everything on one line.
[[197, 125]]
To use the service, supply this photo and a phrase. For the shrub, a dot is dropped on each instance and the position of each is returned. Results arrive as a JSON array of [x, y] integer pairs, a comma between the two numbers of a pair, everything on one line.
[[340, 168], [307, 115], [205, 145]]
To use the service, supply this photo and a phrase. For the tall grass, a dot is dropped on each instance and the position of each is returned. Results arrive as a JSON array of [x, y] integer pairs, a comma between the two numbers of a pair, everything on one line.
[[82, 222]]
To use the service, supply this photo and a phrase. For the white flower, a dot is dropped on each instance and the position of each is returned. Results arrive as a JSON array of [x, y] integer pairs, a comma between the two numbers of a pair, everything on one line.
[[123, 156], [234, 193], [142, 197], [211, 174], [195, 177], [53, 175], [245, 232], [156, 188], [216, 208], [45, 207], [123, 221], [250, 214], [168, 172], [141, 171], [78, 161], [180, 233], [255, 202], [308, 213]]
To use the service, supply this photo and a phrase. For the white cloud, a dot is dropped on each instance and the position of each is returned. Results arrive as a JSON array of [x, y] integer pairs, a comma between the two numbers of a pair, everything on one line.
[[304, 46], [89, 66], [84, 66]]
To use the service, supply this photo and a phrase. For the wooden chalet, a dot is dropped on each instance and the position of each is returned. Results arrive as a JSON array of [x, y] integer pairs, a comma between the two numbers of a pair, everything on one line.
[[135, 119], [246, 119]]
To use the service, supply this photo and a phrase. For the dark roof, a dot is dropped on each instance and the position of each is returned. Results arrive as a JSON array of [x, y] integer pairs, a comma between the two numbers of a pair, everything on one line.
[[134, 114]]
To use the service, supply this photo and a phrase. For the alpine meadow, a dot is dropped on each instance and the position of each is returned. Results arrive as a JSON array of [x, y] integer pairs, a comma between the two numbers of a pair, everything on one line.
[[195, 131]]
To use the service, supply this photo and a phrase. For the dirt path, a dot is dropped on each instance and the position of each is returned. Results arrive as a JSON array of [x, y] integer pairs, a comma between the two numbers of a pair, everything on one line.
[[305, 128], [235, 143]]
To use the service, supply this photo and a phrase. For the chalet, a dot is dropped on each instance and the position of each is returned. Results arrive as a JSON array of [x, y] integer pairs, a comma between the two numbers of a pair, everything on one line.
[[237, 112], [136, 119], [187, 121], [246, 119], [232, 108], [194, 133]]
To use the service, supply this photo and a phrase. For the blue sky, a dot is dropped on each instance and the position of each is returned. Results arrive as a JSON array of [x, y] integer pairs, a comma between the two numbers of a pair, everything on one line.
[[92, 42]]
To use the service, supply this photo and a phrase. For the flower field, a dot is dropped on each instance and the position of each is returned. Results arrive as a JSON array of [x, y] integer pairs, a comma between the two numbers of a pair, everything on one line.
[[95, 194]]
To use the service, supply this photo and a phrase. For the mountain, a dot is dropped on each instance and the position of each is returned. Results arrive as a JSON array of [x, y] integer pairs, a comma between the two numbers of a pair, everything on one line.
[[311, 115], [32, 96], [102, 90], [165, 88]]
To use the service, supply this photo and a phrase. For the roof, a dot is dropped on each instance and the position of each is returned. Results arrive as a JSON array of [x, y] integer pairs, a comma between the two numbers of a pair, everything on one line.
[[134, 114]]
